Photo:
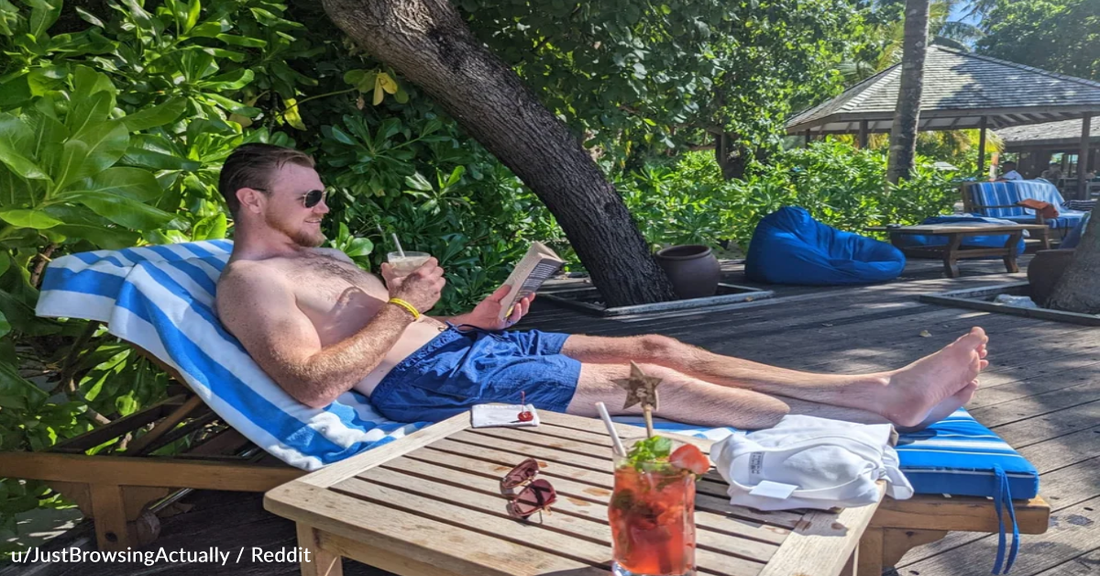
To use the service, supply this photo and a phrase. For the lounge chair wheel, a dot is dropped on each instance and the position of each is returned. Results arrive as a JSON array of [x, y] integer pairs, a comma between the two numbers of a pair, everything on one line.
[[145, 529]]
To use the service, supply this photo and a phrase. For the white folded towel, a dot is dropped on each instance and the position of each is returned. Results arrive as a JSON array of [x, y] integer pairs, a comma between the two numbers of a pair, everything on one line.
[[810, 462]]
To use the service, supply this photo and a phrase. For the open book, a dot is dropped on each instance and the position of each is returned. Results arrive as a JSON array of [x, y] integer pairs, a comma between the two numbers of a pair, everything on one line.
[[538, 265]]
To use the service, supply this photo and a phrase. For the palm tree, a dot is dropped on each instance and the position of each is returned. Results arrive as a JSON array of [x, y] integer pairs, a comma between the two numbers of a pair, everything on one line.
[[903, 134]]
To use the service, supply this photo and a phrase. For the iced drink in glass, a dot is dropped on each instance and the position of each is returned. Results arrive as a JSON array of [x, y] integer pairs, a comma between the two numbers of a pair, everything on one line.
[[403, 265], [652, 509]]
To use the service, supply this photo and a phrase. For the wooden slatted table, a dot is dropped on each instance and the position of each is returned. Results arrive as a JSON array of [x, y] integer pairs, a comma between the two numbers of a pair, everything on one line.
[[430, 503], [953, 251]]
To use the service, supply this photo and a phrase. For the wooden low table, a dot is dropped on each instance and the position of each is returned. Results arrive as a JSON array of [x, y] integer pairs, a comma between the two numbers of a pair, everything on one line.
[[430, 503], [953, 251]]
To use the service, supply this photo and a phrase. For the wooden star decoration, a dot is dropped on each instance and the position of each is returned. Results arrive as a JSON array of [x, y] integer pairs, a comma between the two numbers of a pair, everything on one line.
[[640, 388]]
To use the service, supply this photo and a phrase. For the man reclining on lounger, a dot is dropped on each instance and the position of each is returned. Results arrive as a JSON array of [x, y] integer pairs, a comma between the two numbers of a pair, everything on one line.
[[320, 326]]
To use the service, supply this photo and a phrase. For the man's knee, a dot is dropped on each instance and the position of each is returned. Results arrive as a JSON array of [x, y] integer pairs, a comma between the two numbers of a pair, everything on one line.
[[657, 346]]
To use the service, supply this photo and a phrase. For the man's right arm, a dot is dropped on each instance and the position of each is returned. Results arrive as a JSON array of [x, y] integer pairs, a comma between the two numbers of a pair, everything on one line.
[[260, 309]]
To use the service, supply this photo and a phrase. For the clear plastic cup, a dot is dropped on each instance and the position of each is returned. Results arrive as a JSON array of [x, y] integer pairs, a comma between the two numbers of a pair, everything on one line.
[[404, 265]]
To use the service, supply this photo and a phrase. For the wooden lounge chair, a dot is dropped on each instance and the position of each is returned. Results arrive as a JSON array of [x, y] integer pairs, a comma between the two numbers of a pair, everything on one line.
[[122, 491], [998, 200]]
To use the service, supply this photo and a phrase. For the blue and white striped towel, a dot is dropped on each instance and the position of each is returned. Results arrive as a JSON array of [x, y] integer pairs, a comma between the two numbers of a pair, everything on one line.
[[161, 299]]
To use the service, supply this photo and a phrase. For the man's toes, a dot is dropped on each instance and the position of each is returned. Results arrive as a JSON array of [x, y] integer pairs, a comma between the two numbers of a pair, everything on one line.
[[984, 364]]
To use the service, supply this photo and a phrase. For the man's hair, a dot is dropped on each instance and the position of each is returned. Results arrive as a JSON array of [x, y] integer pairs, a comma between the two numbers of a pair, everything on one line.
[[252, 166], [1006, 163]]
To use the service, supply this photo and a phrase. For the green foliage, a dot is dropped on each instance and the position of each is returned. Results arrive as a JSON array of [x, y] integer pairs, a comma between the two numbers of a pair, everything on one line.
[[689, 202], [640, 79], [1055, 35]]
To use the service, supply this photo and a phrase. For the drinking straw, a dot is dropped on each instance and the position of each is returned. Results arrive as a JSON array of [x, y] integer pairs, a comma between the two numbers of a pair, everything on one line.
[[617, 445], [397, 242]]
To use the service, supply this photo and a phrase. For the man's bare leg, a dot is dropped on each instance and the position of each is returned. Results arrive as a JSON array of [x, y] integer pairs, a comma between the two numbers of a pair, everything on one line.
[[912, 396], [694, 401]]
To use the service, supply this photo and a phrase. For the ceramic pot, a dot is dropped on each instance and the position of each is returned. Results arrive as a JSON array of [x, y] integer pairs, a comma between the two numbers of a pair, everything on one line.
[[1044, 271], [692, 268]]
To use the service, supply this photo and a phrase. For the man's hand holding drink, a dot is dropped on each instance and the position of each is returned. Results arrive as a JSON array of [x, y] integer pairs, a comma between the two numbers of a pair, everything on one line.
[[421, 287]]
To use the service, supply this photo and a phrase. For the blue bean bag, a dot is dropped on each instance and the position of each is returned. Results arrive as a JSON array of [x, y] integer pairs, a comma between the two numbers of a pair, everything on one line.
[[790, 247], [991, 241]]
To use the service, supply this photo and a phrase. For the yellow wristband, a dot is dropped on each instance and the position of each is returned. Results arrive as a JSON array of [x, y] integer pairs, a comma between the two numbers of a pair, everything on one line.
[[412, 309]]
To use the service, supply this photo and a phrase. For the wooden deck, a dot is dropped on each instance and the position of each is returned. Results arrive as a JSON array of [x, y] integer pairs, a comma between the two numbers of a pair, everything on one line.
[[1041, 393]]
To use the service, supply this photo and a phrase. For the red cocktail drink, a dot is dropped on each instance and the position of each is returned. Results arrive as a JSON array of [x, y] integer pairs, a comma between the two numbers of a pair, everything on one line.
[[652, 517]]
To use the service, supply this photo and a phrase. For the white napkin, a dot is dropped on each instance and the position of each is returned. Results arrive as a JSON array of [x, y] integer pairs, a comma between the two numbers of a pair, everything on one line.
[[488, 415]]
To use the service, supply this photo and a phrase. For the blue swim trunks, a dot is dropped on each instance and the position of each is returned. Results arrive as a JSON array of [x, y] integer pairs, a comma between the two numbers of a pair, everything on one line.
[[458, 369]]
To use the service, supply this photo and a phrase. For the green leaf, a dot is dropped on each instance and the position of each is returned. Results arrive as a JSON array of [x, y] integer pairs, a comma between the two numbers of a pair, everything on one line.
[[157, 115], [133, 183], [291, 115], [418, 182], [15, 138], [15, 92], [230, 81], [89, 17], [43, 15], [5, 326], [101, 237], [93, 150], [16, 393], [234, 107], [36, 219], [90, 109], [359, 247], [242, 41], [87, 81], [210, 228], [142, 18], [207, 30], [194, 8], [456, 175], [121, 210]]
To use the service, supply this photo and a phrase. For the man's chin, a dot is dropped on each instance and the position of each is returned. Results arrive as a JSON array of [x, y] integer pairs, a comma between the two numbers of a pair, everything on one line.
[[310, 241]]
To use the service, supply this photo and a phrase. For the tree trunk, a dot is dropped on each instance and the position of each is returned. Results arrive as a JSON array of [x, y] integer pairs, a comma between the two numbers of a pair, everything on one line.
[[732, 158], [429, 44], [903, 133], [1079, 288]]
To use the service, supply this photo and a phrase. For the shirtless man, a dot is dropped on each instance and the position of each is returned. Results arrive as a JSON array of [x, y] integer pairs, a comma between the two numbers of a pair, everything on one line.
[[320, 326]]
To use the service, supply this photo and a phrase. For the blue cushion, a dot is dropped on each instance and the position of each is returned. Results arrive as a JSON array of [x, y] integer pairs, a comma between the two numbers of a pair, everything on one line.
[[1066, 219], [959, 456], [991, 241], [1011, 192], [790, 247]]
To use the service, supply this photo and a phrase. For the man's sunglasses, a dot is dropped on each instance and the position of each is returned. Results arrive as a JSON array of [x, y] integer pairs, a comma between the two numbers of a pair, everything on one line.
[[537, 496], [309, 199]]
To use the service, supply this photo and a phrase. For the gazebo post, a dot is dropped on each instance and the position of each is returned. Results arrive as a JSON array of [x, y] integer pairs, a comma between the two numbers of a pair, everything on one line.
[[862, 135], [807, 137], [1083, 158], [981, 146]]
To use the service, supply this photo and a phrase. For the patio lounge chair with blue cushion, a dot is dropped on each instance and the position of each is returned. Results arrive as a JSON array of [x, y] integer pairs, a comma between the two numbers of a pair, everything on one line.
[[998, 200], [160, 299]]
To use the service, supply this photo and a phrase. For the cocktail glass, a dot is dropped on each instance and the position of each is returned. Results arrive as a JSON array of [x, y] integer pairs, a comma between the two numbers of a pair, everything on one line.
[[652, 517], [403, 265]]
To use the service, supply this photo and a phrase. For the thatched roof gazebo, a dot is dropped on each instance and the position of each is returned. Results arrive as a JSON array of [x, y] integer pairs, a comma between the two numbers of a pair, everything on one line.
[[961, 90]]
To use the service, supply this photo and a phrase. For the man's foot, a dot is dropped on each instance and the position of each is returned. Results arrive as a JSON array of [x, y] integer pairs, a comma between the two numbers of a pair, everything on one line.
[[933, 387]]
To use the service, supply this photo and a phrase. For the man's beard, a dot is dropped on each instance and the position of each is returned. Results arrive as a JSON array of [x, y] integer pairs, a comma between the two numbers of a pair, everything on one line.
[[300, 237]]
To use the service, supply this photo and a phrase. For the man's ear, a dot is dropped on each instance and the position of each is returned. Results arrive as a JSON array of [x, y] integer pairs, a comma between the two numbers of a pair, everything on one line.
[[250, 199]]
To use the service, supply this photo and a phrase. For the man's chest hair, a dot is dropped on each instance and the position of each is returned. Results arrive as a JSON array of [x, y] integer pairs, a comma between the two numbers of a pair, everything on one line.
[[327, 274]]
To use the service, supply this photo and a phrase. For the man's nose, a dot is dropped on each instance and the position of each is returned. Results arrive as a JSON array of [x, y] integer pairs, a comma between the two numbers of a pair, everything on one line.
[[322, 207]]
